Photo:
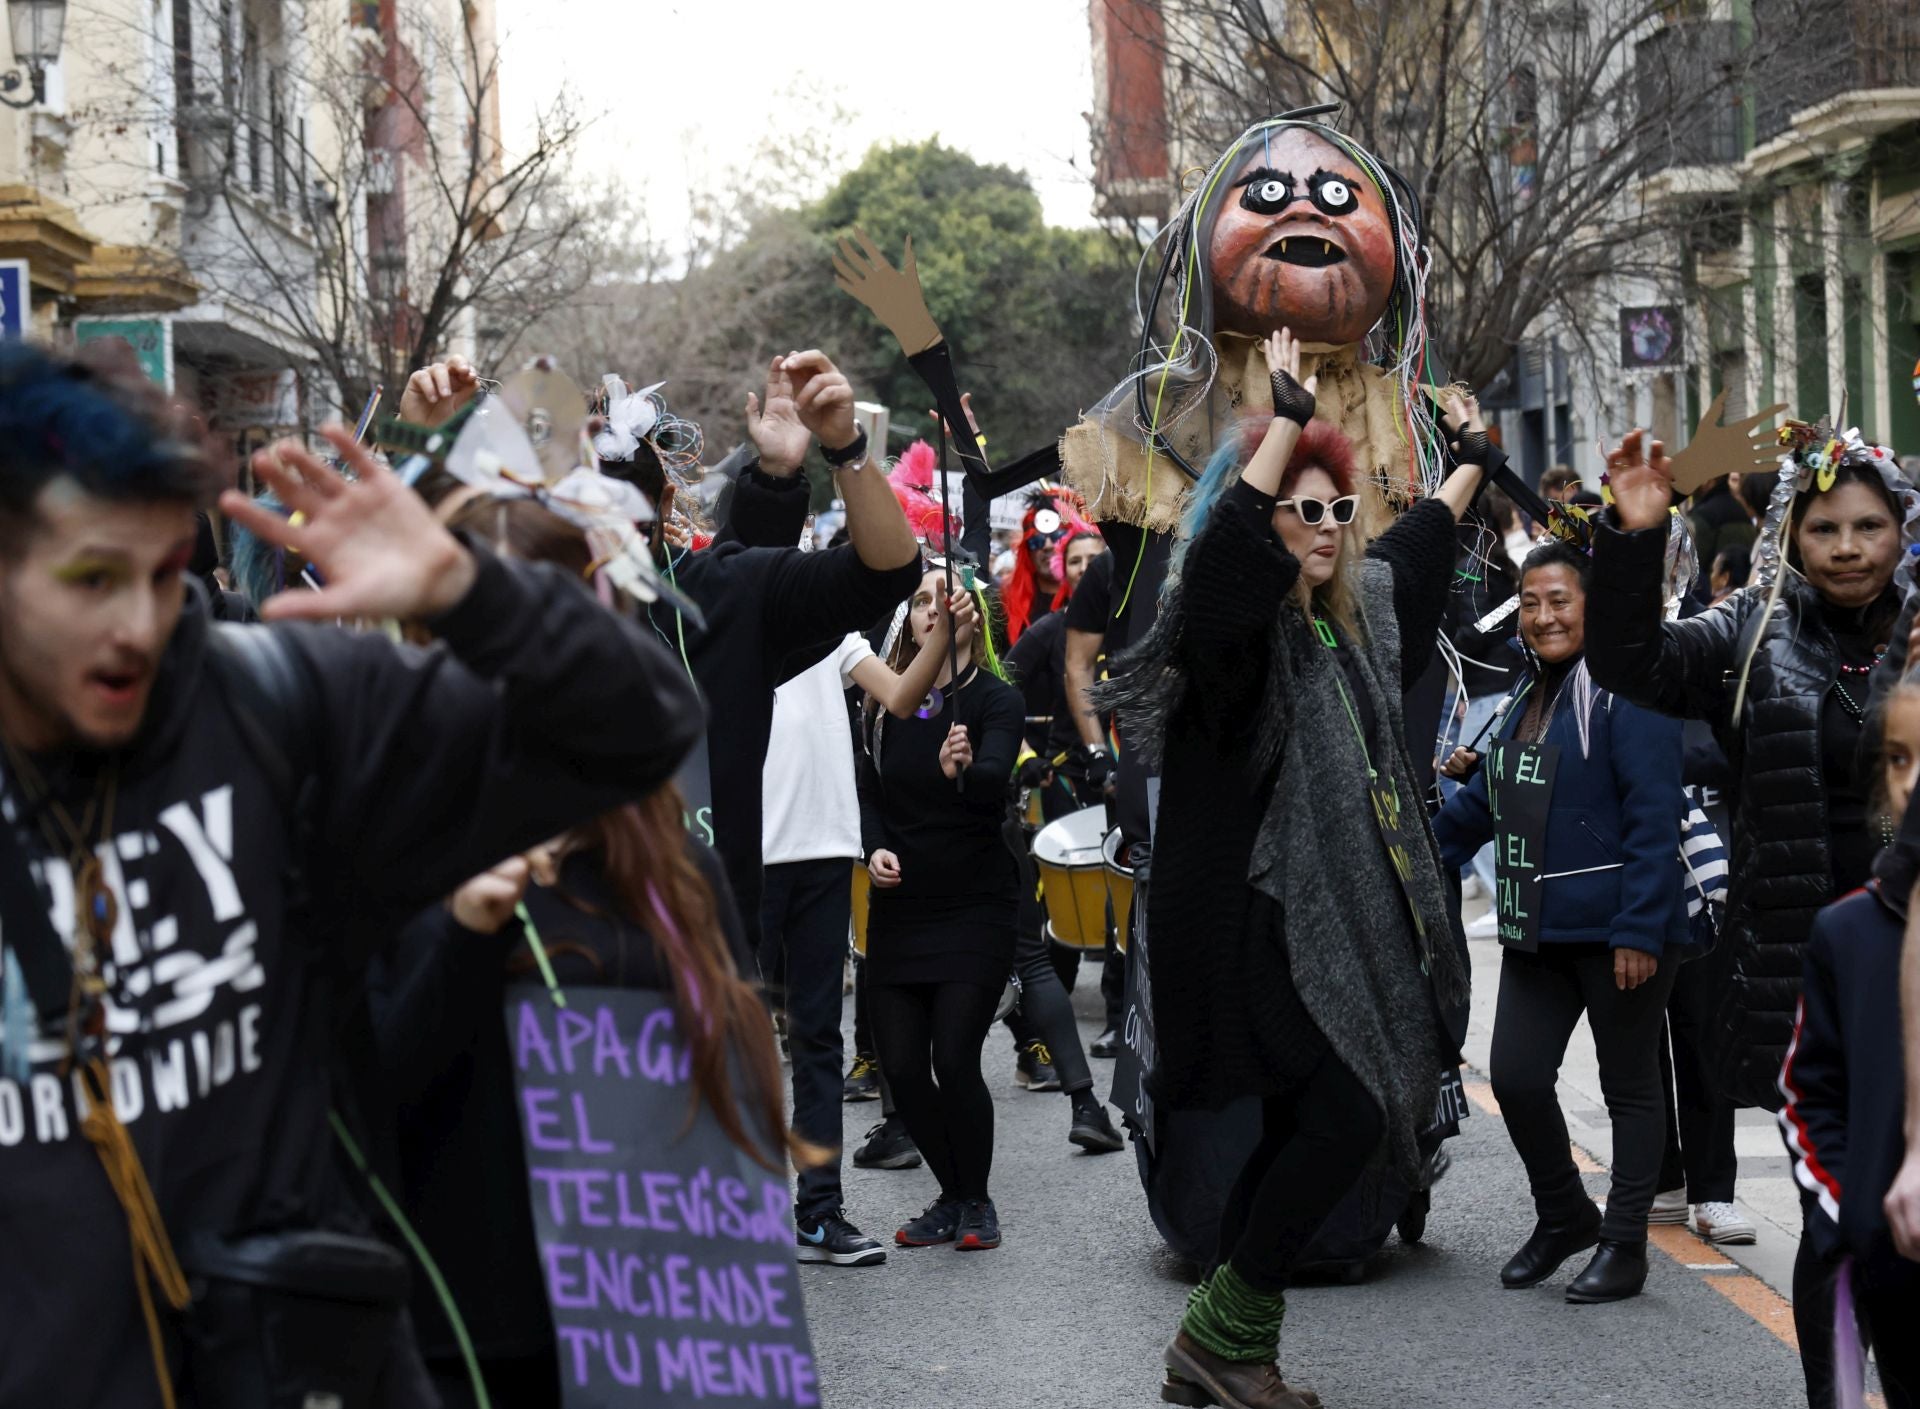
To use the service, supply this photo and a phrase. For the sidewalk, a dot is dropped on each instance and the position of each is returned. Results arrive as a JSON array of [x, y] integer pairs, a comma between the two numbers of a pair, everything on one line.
[[1764, 1188]]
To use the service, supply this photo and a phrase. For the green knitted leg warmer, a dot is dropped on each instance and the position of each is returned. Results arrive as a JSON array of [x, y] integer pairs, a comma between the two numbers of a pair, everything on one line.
[[1232, 1319]]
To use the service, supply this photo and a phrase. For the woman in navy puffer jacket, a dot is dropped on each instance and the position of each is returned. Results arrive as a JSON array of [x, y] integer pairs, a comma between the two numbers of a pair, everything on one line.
[[1593, 916]]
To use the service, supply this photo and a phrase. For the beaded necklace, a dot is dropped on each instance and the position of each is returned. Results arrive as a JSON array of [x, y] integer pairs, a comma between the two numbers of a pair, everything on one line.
[[1856, 708]]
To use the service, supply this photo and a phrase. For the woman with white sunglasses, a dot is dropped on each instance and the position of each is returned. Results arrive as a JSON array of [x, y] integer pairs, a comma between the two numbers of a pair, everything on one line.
[[1300, 929]]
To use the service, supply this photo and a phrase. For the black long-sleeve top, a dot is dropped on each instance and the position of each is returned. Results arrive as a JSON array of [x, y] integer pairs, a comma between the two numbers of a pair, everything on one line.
[[770, 612], [947, 836], [1236, 575], [443, 1039]]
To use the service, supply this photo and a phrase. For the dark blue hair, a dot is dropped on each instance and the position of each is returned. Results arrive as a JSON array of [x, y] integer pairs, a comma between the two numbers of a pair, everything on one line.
[[95, 420], [1222, 469]]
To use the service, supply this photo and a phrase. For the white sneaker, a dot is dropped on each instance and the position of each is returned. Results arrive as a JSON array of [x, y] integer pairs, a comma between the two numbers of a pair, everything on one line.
[[1722, 1223], [1486, 927], [1670, 1206], [1471, 889]]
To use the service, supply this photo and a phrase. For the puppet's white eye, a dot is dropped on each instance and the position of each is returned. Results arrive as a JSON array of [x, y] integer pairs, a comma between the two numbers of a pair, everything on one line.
[[1333, 195], [1046, 521], [1273, 191]]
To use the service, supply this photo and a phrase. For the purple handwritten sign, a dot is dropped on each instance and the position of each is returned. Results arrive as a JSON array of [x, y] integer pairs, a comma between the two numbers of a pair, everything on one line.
[[668, 1253]]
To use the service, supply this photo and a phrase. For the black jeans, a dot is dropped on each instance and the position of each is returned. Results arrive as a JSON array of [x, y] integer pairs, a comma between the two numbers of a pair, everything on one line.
[[929, 1037], [1046, 1013], [1315, 1141], [1813, 1288], [805, 910], [1699, 1150], [1541, 998]]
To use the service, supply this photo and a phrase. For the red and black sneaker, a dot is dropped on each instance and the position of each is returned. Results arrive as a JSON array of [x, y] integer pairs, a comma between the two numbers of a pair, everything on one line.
[[937, 1224], [979, 1227]]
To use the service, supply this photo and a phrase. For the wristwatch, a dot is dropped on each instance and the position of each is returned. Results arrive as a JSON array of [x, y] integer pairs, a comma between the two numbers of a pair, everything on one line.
[[851, 457]]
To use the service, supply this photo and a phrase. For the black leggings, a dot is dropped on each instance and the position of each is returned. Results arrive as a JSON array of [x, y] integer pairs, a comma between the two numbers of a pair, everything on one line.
[[1315, 1141], [928, 1037]]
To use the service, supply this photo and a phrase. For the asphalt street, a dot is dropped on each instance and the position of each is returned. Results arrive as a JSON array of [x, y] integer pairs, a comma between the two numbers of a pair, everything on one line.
[[1074, 1310]]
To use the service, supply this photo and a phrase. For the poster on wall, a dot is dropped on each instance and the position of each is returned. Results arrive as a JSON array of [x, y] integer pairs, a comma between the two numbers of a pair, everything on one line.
[[1650, 337], [150, 338]]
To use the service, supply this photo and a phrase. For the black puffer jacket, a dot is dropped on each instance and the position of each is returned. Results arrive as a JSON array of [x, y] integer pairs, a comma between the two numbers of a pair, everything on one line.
[[1782, 857]]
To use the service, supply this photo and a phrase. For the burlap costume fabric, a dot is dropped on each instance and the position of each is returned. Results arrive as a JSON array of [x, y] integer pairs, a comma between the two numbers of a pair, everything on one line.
[[1112, 469]]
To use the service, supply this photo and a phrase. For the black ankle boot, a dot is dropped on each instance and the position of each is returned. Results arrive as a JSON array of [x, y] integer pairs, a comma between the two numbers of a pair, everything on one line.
[[1550, 1245], [1618, 1271]]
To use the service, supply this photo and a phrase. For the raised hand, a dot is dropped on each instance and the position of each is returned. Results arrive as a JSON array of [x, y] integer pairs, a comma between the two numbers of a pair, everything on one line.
[[892, 295], [964, 614], [1641, 479], [775, 426], [1467, 429], [485, 903], [378, 547], [1292, 399], [822, 398], [438, 390], [966, 406], [1717, 450]]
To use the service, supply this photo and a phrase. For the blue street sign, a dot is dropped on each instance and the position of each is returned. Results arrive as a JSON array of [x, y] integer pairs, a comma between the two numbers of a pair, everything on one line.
[[16, 299]]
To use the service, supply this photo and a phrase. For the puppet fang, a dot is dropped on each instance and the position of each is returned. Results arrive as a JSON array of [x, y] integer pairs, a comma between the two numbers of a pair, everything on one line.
[[1309, 253]]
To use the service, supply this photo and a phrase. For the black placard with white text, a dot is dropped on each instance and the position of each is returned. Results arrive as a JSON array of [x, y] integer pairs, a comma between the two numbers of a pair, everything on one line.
[[1520, 794]]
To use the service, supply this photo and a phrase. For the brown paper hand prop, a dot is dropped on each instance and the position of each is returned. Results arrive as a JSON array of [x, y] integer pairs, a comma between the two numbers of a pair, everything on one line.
[[1717, 450], [891, 295]]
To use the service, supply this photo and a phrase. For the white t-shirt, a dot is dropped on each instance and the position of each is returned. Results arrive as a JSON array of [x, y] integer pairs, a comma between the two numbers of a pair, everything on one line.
[[810, 811]]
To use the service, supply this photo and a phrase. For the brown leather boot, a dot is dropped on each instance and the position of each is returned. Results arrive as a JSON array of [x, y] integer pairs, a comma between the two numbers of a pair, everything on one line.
[[1196, 1376]]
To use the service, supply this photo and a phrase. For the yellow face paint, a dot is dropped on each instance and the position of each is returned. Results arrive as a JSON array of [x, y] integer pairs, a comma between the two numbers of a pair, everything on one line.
[[76, 572]]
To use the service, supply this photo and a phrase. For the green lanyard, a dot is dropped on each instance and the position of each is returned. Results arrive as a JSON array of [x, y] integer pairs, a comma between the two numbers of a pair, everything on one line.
[[1385, 798]]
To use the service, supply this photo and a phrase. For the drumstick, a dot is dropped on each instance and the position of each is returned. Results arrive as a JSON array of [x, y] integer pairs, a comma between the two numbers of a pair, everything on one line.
[[953, 631]]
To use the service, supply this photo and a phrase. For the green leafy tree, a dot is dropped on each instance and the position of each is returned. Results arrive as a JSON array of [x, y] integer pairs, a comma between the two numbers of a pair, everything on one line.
[[1040, 318]]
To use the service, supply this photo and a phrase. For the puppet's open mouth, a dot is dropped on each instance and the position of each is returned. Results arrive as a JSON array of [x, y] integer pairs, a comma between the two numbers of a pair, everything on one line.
[[1310, 251]]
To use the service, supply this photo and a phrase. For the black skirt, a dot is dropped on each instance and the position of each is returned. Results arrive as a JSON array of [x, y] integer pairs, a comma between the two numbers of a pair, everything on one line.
[[940, 939]]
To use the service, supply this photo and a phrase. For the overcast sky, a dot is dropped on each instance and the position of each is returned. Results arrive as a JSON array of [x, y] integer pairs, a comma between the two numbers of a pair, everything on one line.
[[688, 87]]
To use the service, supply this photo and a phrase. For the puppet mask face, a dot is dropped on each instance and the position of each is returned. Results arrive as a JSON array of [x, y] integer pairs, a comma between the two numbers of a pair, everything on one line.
[[1303, 241]]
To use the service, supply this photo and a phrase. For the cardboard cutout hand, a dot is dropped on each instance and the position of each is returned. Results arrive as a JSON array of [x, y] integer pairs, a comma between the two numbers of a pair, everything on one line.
[[1717, 450], [894, 296]]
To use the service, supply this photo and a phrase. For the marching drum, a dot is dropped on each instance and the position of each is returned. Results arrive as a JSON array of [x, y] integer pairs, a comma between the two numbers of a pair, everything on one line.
[[1067, 853], [1119, 884], [862, 888]]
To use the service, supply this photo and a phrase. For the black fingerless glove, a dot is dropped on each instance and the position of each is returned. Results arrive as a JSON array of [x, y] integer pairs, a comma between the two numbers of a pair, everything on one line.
[[1098, 764], [1465, 447], [1291, 400], [1033, 772]]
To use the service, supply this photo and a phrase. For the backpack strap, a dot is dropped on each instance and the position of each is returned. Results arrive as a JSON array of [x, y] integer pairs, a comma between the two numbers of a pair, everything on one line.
[[261, 682], [28, 935]]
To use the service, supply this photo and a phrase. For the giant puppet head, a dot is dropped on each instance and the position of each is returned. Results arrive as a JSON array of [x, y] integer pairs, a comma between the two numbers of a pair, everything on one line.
[[1293, 225], [1301, 238]]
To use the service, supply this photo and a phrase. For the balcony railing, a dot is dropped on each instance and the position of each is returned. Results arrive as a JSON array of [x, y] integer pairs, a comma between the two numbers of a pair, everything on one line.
[[1688, 95], [1808, 51]]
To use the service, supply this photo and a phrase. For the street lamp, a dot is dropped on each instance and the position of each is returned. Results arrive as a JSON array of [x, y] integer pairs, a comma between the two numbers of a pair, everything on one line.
[[37, 27]]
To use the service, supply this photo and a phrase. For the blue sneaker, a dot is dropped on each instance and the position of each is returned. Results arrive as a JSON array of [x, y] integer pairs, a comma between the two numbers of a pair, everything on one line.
[[937, 1224], [834, 1240]]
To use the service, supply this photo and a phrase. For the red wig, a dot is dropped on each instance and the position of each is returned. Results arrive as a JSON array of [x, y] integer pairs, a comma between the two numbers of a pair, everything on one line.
[[1022, 586], [1322, 446]]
